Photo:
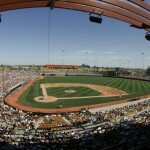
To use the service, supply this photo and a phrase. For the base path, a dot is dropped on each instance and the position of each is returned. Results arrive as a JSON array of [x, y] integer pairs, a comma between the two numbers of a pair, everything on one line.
[[43, 90]]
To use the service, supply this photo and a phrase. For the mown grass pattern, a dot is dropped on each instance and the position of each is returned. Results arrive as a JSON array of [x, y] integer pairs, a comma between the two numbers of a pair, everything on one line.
[[133, 87]]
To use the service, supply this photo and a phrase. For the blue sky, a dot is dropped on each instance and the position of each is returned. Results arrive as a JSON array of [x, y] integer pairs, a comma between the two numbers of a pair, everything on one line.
[[24, 39]]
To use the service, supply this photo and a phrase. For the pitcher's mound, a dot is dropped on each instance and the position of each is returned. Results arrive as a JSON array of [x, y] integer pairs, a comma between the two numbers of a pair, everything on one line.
[[70, 91], [48, 99]]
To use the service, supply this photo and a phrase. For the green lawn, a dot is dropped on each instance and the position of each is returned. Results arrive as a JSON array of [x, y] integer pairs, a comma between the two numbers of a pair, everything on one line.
[[79, 92], [132, 87]]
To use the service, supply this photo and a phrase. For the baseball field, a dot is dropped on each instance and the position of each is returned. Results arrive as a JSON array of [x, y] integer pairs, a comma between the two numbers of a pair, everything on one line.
[[74, 91]]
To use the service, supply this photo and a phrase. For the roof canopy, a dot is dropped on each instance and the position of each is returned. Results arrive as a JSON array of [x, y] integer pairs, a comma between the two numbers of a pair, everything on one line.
[[134, 12]]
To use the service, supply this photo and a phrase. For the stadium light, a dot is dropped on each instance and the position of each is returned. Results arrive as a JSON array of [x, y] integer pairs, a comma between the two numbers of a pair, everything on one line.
[[147, 36], [94, 18], [52, 4]]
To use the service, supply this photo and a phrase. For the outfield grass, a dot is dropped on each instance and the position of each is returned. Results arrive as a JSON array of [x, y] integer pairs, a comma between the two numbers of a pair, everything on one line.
[[81, 91], [133, 87]]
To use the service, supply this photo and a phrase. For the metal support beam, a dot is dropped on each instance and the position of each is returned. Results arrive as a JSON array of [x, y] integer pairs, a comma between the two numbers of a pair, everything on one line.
[[134, 12], [51, 4]]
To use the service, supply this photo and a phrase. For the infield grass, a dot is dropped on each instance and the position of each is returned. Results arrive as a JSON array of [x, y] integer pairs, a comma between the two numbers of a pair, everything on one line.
[[82, 91]]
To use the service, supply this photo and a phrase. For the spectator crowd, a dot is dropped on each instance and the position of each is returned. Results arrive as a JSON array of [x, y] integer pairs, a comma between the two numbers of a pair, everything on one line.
[[139, 76], [10, 79], [125, 127]]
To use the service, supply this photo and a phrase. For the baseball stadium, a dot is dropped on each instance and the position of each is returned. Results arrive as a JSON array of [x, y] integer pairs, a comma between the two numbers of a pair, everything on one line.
[[74, 100]]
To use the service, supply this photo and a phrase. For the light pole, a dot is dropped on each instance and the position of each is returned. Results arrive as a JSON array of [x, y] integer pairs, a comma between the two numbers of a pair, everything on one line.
[[142, 60], [94, 62], [135, 66], [128, 64], [119, 63], [3, 88], [94, 67], [63, 58], [86, 53]]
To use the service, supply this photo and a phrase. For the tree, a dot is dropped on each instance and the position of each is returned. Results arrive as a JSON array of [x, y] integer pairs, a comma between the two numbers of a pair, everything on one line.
[[148, 71], [85, 66]]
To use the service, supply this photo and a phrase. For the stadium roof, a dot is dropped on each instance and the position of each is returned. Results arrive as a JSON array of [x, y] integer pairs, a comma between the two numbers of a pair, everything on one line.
[[134, 12]]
